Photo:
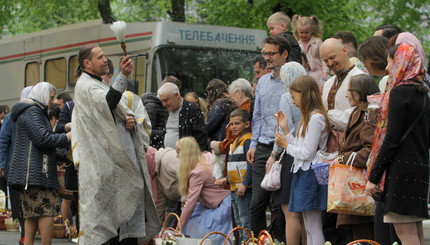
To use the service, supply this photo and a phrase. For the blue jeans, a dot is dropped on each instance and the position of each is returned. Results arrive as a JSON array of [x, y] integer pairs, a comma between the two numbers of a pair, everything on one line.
[[241, 207]]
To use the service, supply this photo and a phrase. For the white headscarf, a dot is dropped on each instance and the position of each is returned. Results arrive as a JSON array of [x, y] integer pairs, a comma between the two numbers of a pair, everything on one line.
[[290, 71], [41, 92], [25, 92]]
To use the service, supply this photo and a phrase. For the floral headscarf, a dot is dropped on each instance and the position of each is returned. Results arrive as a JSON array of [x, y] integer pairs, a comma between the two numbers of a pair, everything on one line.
[[290, 71], [407, 37], [41, 92], [407, 66]]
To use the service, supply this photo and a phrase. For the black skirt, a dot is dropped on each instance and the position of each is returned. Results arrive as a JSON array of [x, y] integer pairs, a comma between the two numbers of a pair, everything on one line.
[[282, 196]]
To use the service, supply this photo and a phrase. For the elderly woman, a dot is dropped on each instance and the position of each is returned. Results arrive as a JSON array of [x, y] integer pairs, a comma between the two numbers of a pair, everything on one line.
[[240, 93], [33, 168]]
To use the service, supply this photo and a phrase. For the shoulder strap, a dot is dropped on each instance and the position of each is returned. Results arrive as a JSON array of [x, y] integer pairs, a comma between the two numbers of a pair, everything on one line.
[[416, 120]]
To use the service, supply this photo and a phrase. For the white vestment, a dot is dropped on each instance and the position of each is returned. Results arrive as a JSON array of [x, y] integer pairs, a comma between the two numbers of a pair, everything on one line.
[[113, 175], [339, 116]]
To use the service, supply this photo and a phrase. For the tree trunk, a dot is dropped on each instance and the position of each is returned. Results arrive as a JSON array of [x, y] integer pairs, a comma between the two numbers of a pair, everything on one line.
[[178, 11], [106, 11]]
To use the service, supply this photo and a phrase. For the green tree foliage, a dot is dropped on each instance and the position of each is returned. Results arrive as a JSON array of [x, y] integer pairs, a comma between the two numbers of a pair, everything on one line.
[[360, 17], [22, 16]]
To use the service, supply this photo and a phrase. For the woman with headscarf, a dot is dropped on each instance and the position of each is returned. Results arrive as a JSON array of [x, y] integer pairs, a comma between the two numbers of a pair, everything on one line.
[[289, 72], [400, 146], [33, 169], [407, 37], [7, 141]]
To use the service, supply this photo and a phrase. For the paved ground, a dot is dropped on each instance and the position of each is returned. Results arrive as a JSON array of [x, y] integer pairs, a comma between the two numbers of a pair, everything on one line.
[[11, 238]]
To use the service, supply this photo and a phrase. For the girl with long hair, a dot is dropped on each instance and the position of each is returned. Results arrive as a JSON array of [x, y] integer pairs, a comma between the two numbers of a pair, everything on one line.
[[207, 206], [307, 196]]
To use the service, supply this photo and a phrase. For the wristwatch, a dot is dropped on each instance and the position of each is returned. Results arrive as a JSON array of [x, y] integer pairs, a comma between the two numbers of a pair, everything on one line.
[[273, 155]]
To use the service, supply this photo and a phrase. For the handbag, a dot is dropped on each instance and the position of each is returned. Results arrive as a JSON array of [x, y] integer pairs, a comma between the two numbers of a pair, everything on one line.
[[272, 179], [346, 190]]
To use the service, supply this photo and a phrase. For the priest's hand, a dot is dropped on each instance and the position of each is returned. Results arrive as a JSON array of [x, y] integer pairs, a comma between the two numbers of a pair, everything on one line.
[[130, 123], [126, 66]]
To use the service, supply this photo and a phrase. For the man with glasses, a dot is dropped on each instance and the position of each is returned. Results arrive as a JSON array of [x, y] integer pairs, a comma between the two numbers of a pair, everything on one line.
[[268, 93]]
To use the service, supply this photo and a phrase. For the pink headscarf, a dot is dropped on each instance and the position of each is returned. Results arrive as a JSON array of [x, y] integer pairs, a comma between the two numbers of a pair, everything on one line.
[[407, 37], [407, 66]]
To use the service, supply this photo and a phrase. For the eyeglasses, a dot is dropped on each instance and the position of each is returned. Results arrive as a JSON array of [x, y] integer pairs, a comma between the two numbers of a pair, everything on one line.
[[269, 53]]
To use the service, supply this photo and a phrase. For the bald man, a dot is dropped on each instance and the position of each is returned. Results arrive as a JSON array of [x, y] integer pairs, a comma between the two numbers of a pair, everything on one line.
[[335, 55]]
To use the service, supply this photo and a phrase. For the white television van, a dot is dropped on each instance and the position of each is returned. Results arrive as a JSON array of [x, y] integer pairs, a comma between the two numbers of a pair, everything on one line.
[[193, 53]]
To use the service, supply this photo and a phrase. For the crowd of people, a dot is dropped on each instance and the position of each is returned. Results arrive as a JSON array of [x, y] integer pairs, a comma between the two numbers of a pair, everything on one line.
[[130, 160]]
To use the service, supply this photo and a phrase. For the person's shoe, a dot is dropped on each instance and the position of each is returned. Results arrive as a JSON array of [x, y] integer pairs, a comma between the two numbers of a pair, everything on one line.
[[21, 241]]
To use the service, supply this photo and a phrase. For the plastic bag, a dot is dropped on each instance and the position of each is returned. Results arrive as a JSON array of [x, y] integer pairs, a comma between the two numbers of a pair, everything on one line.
[[219, 165], [373, 108], [321, 165], [272, 179], [346, 190]]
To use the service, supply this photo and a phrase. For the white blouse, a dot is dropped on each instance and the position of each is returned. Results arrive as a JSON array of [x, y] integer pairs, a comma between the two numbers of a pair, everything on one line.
[[305, 149]]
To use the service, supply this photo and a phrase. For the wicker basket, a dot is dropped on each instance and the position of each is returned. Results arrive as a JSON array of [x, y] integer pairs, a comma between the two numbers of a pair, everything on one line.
[[11, 224], [59, 231]]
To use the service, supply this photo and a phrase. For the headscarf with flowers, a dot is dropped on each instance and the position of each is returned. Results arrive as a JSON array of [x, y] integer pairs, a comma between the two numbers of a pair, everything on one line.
[[407, 68]]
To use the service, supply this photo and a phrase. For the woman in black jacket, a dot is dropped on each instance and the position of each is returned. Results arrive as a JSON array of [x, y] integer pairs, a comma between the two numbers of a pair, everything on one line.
[[219, 107], [400, 146], [33, 168]]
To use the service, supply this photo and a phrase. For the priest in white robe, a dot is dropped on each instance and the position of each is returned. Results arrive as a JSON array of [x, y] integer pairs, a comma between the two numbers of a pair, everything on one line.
[[109, 135]]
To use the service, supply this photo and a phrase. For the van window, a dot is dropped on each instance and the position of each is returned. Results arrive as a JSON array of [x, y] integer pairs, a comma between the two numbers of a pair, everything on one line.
[[55, 73], [73, 65], [195, 67], [31, 74]]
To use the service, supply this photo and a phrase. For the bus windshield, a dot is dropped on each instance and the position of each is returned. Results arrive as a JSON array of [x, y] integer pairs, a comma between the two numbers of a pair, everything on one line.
[[195, 67]]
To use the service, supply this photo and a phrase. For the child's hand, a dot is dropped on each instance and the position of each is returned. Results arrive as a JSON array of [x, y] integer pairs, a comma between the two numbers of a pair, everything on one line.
[[281, 141], [221, 181], [283, 122], [241, 190]]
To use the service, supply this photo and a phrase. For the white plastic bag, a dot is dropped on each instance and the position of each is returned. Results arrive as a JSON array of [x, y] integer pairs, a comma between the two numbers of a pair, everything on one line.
[[272, 179], [219, 165]]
